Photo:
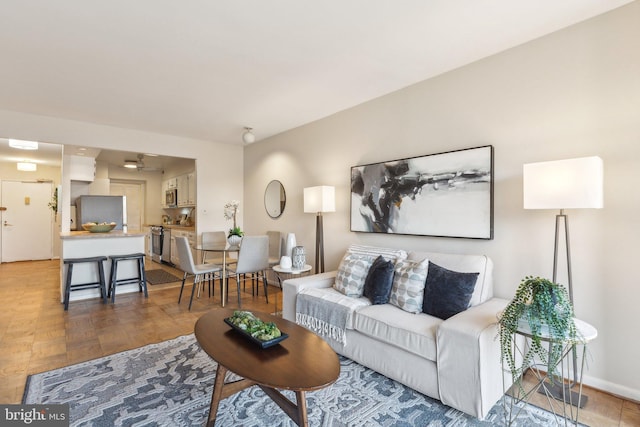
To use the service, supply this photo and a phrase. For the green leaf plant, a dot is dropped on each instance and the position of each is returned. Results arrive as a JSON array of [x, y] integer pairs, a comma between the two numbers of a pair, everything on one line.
[[235, 231], [546, 309]]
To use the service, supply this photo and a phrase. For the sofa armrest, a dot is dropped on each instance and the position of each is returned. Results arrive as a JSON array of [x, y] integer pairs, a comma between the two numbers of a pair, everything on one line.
[[291, 287], [470, 374]]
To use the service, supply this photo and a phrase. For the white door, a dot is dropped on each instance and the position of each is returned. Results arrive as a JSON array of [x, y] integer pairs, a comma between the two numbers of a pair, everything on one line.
[[27, 222], [134, 192]]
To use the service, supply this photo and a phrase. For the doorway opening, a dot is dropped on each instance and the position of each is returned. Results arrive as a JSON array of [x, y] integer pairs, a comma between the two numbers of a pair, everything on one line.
[[135, 192]]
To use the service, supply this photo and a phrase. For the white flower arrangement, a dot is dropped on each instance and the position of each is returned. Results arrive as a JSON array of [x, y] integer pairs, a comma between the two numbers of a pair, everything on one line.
[[231, 210]]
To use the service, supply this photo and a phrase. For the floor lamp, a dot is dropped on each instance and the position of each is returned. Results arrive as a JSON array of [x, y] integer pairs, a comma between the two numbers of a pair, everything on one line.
[[564, 184], [318, 200]]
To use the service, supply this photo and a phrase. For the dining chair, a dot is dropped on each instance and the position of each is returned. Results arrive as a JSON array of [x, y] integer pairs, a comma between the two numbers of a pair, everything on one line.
[[198, 271], [253, 260], [213, 238]]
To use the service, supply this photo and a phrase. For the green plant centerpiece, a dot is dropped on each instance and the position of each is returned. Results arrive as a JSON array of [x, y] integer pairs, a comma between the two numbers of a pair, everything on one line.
[[235, 231], [541, 309]]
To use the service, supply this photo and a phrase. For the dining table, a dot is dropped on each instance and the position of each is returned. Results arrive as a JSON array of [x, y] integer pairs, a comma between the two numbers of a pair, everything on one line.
[[225, 250]]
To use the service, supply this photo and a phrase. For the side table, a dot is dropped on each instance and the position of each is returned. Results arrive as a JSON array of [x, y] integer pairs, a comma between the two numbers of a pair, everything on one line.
[[544, 382], [287, 273]]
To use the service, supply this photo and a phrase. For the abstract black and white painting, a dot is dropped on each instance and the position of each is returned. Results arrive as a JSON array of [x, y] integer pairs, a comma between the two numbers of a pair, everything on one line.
[[446, 195]]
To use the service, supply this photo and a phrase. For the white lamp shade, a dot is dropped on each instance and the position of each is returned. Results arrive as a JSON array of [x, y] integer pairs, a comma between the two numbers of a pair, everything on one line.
[[319, 199], [563, 184]]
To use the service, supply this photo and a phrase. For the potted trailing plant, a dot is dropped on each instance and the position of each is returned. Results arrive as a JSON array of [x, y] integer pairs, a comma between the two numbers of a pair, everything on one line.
[[230, 212], [541, 309]]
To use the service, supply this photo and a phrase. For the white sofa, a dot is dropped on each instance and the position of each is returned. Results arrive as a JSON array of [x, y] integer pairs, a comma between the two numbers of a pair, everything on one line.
[[456, 361]]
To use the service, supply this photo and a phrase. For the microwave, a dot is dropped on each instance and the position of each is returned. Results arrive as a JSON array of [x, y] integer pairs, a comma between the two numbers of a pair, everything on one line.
[[171, 197]]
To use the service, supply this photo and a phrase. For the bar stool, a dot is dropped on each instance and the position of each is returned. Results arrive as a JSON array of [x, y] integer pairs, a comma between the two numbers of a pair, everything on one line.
[[140, 279], [68, 287]]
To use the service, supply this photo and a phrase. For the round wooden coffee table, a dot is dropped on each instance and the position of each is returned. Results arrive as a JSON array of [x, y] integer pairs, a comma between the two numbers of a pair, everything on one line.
[[301, 363]]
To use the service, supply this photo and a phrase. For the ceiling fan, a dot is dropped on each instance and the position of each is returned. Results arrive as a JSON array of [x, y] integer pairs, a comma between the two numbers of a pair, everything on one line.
[[139, 165]]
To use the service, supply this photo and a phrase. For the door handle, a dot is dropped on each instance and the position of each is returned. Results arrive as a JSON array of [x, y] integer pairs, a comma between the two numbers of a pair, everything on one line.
[[6, 224]]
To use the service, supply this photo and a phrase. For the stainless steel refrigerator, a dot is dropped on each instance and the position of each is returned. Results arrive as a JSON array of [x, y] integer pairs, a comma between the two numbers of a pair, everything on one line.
[[102, 209]]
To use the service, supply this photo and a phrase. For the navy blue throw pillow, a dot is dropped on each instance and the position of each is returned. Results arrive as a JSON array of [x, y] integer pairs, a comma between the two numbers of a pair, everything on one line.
[[447, 292], [377, 285]]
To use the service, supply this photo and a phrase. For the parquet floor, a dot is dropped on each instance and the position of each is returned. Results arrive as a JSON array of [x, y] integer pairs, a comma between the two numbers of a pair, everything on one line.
[[37, 335]]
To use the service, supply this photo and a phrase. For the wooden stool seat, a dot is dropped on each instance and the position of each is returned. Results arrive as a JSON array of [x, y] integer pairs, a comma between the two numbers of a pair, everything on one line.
[[70, 262], [140, 278]]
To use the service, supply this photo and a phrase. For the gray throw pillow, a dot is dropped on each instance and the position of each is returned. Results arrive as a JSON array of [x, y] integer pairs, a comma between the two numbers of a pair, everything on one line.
[[377, 285], [447, 292], [407, 290]]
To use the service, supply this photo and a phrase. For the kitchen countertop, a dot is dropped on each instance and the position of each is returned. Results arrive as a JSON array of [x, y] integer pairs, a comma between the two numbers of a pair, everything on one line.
[[180, 227], [88, 235]]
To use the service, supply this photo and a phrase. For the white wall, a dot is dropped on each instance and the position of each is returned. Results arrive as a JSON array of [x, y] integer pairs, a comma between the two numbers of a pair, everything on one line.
[[573, 93], [218, 166]]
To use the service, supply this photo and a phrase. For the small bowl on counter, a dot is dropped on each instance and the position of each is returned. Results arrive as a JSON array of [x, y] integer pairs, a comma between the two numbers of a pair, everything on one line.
[[103, 227]]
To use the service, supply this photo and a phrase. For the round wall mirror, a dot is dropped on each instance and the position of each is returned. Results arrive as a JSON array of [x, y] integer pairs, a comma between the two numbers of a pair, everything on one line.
[[275, 199]]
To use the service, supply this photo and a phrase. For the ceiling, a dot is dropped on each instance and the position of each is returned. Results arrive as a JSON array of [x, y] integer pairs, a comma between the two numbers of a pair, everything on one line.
[[205, 69]]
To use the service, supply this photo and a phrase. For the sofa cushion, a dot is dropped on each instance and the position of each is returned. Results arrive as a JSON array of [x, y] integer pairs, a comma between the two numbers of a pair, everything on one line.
[[447, 292], [415, 333], [468, 264], [389, 254], [407, 291], [352, 273], [377, 285]]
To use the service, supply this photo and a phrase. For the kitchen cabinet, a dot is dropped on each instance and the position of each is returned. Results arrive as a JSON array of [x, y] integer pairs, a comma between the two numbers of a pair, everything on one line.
[[183, 189], [191, 179], [171, 183], [187, 189], [82, 168]]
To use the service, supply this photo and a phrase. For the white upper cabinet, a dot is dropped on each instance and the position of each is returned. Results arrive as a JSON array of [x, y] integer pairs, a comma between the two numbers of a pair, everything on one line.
[[187, 189], [82, 168]]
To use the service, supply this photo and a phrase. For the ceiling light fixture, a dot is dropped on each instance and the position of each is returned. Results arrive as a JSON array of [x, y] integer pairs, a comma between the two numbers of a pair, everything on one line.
[[27, 166], [23, 145], [247, 136], [130, 164]]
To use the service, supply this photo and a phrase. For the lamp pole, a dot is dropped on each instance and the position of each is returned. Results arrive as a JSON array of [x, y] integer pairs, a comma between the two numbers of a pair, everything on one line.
[[563, 391], [319, 244]]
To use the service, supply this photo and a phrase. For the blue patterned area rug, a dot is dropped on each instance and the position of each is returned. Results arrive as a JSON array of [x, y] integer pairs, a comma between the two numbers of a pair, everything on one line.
[[170, 384]]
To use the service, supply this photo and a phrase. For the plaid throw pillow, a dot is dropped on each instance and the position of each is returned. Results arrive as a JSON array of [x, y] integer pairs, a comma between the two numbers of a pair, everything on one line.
[[409, 279], [352, 274]]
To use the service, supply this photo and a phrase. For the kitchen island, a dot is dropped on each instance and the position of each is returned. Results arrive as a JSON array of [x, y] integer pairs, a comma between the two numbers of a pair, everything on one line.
[[82, 244]]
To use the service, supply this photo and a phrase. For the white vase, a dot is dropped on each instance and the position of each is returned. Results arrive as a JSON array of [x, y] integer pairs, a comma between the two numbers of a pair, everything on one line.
[[289, 244], [234, 240], [285, 262]]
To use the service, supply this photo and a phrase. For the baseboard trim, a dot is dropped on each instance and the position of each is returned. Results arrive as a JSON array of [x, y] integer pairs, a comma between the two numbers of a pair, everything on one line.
[[612, 388]]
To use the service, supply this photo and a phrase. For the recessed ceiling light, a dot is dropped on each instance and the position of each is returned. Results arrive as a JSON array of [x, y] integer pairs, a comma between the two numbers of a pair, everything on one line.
[[23, 145], [27, 166]]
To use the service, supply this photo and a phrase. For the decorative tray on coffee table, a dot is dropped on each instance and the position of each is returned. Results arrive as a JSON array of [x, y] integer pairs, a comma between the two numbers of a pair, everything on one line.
[[261, 343]]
